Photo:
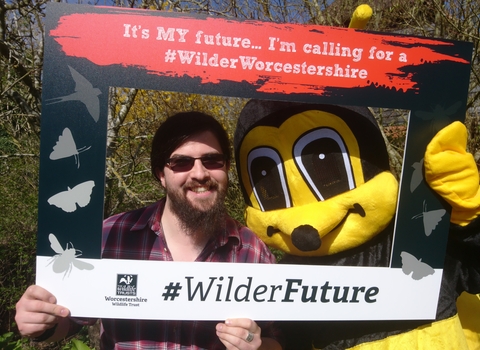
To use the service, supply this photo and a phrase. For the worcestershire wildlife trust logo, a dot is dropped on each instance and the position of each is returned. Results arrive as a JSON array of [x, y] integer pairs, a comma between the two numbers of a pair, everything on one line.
[[127, 284]]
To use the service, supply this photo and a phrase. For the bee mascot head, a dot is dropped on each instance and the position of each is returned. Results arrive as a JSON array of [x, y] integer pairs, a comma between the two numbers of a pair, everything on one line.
[[315, 178]]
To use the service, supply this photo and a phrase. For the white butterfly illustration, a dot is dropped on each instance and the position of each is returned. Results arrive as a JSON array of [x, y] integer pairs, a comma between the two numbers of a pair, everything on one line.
[[66, 147], [68, 200], [430, 218], [411, 264]]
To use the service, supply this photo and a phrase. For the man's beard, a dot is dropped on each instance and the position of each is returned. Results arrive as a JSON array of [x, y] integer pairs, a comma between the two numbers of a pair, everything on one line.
[[206, 221]]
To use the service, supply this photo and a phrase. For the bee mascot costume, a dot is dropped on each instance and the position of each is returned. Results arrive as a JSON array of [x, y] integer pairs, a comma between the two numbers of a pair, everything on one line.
[[317, 186]]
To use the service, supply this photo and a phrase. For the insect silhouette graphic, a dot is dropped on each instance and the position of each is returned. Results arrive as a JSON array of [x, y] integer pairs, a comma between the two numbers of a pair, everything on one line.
[[439, 117], [84, 92], [68, 200], [66, 147], [417, 175], [65, 259], [411, 264], [430, 218]]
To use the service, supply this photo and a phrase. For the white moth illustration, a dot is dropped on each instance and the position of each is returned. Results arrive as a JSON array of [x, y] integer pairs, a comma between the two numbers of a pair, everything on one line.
[[68, 200], [65, 259], [430, 218], [66, 147], [411, 264]]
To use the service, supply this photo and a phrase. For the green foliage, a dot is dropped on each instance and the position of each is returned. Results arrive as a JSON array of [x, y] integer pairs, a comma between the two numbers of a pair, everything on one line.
[[76, 344], [8, 341], [18, 208], [6, 144]]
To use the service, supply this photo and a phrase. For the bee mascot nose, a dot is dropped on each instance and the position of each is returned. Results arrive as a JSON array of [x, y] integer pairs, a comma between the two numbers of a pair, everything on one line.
[[306, 238]]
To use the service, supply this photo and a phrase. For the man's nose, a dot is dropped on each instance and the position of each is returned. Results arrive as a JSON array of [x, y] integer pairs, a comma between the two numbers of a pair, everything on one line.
[[199, 171]]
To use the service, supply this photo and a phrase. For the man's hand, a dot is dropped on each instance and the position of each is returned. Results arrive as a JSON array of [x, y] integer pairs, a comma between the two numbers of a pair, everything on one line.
[[243, 333], [37, 311]]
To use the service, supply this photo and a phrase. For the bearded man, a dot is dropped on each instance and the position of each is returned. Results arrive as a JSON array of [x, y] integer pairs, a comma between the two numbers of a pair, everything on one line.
[[190, 157]]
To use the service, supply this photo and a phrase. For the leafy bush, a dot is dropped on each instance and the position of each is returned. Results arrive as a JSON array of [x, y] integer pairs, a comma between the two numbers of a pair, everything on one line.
[[17, 233], [8, 341]]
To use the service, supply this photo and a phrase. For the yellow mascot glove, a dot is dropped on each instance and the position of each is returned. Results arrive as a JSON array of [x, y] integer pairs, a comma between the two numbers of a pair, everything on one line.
[[452, 172]]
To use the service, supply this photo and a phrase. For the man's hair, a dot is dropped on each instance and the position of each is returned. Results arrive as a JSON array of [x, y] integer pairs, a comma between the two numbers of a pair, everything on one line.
[[177, 129]]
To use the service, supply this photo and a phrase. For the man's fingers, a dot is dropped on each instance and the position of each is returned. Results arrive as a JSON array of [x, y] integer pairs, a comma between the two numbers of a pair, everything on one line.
[[38, 300], [38, 293], [245, 323], [48, 308], [240, 333], [37, 311]]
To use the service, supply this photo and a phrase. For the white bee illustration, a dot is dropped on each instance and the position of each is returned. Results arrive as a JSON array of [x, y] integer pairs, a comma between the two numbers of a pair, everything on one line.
[[66, 258]]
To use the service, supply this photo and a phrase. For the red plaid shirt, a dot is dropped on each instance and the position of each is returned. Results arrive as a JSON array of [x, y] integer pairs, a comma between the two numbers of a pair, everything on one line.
[[138, 235]]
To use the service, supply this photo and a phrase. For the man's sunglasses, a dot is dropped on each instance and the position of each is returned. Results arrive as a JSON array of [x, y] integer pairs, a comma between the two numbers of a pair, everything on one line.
[[185, 163]]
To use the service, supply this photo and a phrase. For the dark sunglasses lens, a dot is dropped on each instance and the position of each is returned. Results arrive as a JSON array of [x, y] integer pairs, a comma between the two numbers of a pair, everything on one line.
[[181, 164], [214, 161]]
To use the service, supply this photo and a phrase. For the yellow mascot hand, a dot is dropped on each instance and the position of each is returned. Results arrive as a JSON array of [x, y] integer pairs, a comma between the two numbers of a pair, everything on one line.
[[452, 172]]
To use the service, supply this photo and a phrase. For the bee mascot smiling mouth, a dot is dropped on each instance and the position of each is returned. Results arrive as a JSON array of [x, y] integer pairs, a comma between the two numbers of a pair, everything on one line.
[[317, 186]]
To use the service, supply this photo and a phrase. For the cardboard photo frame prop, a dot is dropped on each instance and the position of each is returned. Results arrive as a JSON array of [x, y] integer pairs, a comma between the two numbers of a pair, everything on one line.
[[89, 49]]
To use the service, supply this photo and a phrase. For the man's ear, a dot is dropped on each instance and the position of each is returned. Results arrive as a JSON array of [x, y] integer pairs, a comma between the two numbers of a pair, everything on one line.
[[160, 176]]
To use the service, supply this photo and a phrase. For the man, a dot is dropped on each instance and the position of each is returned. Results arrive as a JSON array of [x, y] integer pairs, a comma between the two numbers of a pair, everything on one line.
[[191, 158]]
